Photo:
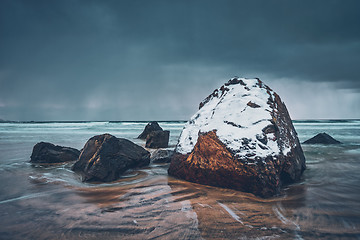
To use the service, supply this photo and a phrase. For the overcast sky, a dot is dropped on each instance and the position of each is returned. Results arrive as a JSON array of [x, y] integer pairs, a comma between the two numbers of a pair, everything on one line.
[[156, 60]]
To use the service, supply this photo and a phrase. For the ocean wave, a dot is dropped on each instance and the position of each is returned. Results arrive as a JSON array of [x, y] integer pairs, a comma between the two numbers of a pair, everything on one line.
[[325, 121]]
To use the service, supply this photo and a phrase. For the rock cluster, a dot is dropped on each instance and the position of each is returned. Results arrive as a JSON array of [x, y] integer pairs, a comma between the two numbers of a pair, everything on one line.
[[155, 136], [242, 137], [149, 128]]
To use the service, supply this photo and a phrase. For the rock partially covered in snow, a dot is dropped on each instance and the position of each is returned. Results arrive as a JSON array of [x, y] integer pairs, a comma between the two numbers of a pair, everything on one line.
[[105, 157], [242, 137], [322, 138]]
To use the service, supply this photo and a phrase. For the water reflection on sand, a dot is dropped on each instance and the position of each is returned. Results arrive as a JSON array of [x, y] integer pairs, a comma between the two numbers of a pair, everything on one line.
[[150, 205]]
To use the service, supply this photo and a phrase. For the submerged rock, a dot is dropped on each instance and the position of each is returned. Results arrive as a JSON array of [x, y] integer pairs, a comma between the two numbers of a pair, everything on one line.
[[149, 128], [158, 139], [162, 156], [44, 152], [242, 138], [104, 158], [322, 138]]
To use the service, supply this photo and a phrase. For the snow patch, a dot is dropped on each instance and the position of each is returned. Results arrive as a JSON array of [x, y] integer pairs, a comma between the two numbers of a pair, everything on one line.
[[237, 121]]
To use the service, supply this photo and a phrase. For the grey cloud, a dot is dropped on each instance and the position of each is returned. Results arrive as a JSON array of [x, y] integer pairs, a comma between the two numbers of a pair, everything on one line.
[[123, 60]]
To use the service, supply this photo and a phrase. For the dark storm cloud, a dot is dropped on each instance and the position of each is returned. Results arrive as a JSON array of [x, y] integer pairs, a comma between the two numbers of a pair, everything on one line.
[[157, 59]]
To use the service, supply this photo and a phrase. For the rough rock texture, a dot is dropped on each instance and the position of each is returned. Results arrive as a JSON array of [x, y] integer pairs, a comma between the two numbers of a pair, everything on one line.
[[104, 158], [158, 139], [322, 138], [149, 128], [161, 156], [242, 137], [44, 152]]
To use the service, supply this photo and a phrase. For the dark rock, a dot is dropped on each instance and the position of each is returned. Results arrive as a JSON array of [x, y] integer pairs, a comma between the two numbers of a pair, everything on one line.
[[104, 158], [262, 138], [158, 139], [44, 152], [230, 145], [233, 124], [253, 105], [218, 93], [161, 156], [270, 129], [234, 81], [150, 127], [322, 138]]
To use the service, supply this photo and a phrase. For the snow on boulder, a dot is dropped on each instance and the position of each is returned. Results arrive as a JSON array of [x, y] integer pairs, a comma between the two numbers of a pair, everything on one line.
[[242, 137]]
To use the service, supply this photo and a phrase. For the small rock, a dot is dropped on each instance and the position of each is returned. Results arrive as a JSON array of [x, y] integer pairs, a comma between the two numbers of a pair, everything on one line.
[[44, 152], [150, 127], [322, 138], [104, 158], [158, 139], [162, 156]]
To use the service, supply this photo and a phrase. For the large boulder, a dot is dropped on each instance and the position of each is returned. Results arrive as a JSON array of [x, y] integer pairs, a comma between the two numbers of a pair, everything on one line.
[[322, 138], [44, 152], [149, 128], [242, 138], [158, 139], [104, 158]]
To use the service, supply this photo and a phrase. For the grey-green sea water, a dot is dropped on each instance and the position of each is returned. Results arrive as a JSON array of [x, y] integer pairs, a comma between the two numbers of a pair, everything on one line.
[[51, 202]]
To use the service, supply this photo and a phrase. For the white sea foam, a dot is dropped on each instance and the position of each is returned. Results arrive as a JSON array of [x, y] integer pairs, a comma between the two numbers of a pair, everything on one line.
[[232, 214]]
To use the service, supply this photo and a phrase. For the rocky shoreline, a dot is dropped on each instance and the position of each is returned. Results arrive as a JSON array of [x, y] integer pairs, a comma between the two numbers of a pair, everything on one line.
[[216, 147]]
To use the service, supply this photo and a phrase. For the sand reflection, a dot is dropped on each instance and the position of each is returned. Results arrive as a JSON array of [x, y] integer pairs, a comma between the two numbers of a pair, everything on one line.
[[141, 211], [148, 204]]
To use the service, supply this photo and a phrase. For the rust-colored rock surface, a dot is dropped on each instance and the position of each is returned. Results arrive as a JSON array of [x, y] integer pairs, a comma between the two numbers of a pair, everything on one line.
[[242, 138], [212, 164]]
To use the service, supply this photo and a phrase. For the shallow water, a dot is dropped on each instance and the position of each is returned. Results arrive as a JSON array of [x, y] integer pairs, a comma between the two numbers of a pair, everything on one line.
[[50, 202]]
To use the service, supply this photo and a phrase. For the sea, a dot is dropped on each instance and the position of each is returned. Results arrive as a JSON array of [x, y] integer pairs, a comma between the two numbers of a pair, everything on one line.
[[51, 201]]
